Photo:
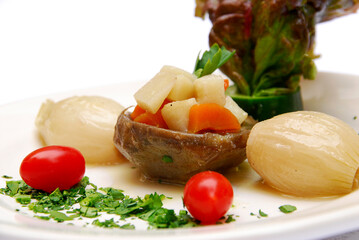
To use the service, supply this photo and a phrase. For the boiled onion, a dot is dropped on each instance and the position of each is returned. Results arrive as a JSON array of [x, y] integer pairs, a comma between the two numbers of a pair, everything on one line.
[[83, 122], [305, 154]]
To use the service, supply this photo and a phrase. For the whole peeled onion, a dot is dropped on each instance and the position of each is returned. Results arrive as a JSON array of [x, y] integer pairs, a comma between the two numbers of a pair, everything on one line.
[[83, 122], [305, 154]]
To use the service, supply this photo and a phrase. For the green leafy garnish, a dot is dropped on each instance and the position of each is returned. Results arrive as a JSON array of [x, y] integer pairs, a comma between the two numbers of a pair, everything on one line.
[[211, 60], [23, 199], [230, 218], [110, 223], [167, 159], [59, 216], [262, 214], [85, 200], [6, 177], [287, 208], [274, 43]]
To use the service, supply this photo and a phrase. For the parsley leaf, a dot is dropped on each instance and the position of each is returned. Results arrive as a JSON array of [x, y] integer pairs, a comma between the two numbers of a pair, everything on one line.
[[6, 177], [230, 218], [211, 60], [110, 223], [262, 214], [86, 200], [59, 216], [167, 159], [287, 208], [23, 199], [13, 187]]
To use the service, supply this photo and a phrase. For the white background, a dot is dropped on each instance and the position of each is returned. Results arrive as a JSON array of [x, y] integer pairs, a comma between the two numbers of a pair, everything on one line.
[[49, 46]]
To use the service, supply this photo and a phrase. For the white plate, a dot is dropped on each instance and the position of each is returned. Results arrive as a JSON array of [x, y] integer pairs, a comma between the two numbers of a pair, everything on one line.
[[334, 94]]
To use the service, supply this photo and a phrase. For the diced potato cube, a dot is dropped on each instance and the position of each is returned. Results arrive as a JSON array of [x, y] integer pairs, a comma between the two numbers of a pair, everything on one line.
[[183, 88], [210, 89], [176, 114], [178, 71], [237, 111], [151, 96]]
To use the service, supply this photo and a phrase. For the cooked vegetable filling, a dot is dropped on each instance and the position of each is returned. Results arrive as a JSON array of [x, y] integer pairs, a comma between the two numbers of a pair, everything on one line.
[[189, 104]]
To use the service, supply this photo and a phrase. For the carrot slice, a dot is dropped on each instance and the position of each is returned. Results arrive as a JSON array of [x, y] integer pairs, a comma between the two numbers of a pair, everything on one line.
[[142, 116], [226, 84], [152, 119], [211, 117], [137, 112]]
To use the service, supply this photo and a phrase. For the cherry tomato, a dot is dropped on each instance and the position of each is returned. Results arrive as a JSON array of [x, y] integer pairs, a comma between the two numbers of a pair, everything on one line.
[[208, 196], [53, 167]]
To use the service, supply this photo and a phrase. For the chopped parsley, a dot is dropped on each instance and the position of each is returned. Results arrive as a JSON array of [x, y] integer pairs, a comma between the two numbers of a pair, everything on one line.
[[110, 223], [287, 208], [167, 159], [230, 218], [262, 214], [6, 177], [85, 200]]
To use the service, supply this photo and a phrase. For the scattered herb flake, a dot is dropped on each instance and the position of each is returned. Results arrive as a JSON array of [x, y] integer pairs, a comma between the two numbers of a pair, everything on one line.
[[23, 199], [355, 117], [167, 159], [262, 214], [6, 177], [13, 187], [110, 223], [127, 226], [59, 216], [287, 208], [85, 200], [230, 218], [43, 217]]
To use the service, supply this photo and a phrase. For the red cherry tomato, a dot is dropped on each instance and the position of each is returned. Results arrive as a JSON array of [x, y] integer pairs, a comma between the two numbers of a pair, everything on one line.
[[208, 196], [53, 167]]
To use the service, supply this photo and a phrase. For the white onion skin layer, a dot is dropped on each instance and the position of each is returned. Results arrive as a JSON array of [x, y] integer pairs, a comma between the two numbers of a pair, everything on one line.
[[305, 154], [83, 122]]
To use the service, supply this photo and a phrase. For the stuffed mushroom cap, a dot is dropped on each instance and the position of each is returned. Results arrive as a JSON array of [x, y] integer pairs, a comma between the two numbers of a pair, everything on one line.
[[173, 156]]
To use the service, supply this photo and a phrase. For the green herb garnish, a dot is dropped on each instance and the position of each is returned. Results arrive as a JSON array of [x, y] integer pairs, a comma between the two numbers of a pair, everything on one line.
[[230, 218], [110, 223], [60, 217], [211, 60], [23, 199], [262, 214], [85, 200], [287, 208], [274, 43], [6, 177], [167, 159]]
